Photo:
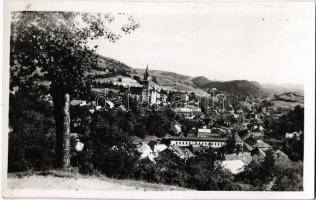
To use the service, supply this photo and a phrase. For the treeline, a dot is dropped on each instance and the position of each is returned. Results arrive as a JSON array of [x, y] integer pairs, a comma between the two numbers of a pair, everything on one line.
[[293, 121]]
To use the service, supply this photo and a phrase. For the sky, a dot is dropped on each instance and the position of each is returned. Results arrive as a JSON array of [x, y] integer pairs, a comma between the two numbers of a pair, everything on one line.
[[266, 45]]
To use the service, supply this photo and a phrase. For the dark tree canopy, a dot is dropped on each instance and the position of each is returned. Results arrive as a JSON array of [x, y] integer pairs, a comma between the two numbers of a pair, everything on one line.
[[57, 47]]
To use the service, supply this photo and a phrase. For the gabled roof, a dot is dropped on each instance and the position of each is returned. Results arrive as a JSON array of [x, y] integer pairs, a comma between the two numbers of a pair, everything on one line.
[[257, 134], [245, 157], [237, 138], [273, 140], [178, 150], [248, 147], [188, 153], [251, 141], [262, 145], [245, 137], [207, 139], [76, 102], [243, 134]]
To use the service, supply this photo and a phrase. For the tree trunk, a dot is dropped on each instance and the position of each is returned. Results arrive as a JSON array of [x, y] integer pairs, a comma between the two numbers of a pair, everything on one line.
[[66, 133], [62, 118]]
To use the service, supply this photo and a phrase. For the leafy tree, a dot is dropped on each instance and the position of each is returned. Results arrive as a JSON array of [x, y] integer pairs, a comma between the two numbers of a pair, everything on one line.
[[55, 46], [289, 178], [157, 123], [107, 149]]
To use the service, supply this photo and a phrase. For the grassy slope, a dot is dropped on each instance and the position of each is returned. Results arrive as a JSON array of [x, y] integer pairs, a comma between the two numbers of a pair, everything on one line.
[[57, 180]]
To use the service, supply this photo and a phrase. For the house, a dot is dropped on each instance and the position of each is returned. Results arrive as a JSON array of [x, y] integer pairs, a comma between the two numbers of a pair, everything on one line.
[[239, 111], [281, 159], [189, 112], [250, 141], [234, 166], [109, 104], [210, 124], [205, 132], [188, 153], [274, 142], [293, 134], [183, 153], [262, 145], [258, 155], [192, 132], [237, 139], [160, 148], [76, 102], [257, 135], [146, 152], [244, 135], [245, 157], [247, 147], [176, 128], [178, 151], [219, 131]]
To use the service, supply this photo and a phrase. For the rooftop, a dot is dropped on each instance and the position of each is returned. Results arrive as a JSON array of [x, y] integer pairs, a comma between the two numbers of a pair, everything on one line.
[[198, 139]]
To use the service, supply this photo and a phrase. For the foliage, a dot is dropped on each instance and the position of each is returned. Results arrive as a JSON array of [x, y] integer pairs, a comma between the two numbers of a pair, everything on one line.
[[31, 139], [289, 178]]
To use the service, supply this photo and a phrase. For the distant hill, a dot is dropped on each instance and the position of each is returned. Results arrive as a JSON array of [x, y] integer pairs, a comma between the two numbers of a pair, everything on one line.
[[178, 82], [165, 76], [200, 81], [283, 88], [171, 81], [240, 87], [288, 99]]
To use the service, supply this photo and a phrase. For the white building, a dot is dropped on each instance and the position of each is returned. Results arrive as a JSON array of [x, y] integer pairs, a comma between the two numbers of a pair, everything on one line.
[[213, 142]]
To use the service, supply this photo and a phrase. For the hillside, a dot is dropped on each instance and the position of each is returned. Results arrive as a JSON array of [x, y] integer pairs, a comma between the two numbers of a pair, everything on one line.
[[240, 87], [112, 64]]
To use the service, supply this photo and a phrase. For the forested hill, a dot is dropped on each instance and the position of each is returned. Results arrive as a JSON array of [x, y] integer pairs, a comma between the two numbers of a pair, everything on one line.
[[240, 87]]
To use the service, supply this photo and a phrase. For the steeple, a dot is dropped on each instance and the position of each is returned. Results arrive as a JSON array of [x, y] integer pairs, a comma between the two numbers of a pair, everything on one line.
[[146, 75], [145, 92]]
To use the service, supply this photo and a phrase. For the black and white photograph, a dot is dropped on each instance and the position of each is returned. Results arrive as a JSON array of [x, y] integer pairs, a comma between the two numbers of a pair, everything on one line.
[[176, 97]]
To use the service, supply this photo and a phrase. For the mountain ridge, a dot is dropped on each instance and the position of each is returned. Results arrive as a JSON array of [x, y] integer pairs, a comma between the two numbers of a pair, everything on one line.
[[177, 81]]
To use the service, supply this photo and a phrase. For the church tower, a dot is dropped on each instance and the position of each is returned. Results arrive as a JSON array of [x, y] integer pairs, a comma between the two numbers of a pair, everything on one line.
[[145, 92]]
